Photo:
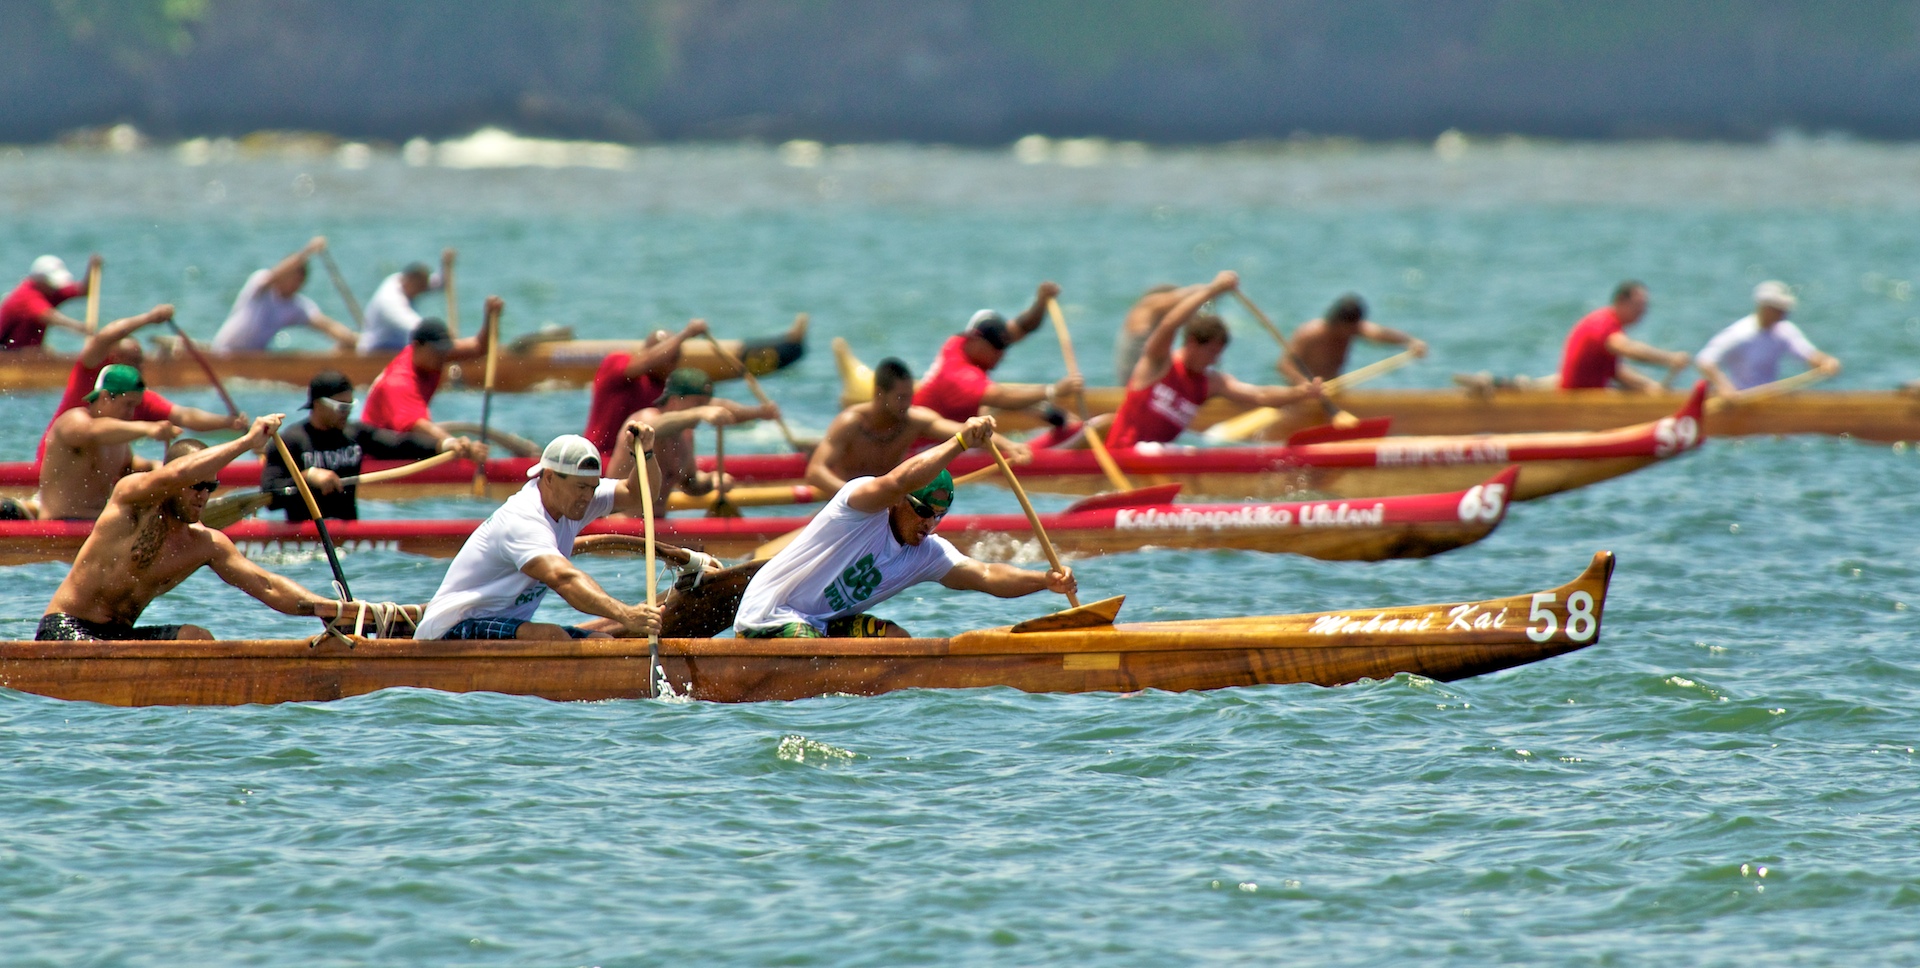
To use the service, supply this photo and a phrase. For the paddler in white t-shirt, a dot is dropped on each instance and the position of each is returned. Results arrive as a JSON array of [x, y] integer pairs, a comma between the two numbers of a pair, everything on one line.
[[874, 539], [525, 547], [271, 301], [1747, 354]]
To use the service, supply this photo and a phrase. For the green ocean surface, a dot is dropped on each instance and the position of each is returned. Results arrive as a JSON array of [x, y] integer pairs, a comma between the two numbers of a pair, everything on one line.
[[1727, 778]]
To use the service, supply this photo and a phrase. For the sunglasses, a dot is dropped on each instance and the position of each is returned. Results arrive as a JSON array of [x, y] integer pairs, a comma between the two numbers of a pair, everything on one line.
[[333, 405], [207, 487], [924, 509]]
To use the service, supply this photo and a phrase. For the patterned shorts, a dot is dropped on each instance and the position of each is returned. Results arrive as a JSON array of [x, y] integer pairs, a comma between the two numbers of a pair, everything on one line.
[[501, 628], [861, 626], [61, 627]]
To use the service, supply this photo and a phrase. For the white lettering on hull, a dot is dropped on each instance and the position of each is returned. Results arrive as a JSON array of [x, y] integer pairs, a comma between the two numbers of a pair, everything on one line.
[[1416, 454], [253, 548], [1250, 517]]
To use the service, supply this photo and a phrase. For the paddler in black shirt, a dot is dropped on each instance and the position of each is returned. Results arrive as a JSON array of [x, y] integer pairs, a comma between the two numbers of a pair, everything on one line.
[[330, 446]]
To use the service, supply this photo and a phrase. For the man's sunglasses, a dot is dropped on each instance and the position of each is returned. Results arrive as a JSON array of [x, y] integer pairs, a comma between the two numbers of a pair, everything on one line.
[[207, 487], [336, 406], [924, 509]]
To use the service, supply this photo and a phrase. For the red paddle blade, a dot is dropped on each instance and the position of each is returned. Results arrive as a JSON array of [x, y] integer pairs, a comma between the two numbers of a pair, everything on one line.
[[1328, 433], [1138, 497]]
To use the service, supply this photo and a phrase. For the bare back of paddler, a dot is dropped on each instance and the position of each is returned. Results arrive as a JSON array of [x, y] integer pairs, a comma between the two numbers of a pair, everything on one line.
[[89, 448], [150, 539], [872, 438], [1319, 347]]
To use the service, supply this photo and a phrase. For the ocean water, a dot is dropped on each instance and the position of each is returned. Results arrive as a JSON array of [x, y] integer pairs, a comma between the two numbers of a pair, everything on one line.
[[1727, 777]]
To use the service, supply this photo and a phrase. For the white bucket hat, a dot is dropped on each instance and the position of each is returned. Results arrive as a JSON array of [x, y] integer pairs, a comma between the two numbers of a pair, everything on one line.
[[1776, 294], [569, 454]]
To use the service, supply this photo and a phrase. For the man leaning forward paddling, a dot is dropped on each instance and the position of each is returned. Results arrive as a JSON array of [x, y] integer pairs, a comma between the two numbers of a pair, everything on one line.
[[872, 541], [150, 539], [525, 547]]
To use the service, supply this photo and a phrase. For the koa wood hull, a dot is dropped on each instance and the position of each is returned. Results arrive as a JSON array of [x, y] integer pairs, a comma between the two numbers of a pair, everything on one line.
[[1448, 641]]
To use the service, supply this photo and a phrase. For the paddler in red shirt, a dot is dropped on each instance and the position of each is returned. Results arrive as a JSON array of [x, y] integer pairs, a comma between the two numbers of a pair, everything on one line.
[[399, 396], [628, 383], [957, 385], [1168, 386], [1592, 360], [27, 311]]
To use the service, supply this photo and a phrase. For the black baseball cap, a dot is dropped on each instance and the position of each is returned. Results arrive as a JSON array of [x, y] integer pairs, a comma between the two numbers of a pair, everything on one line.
[[326, 383], [992, 327], [433, 332]]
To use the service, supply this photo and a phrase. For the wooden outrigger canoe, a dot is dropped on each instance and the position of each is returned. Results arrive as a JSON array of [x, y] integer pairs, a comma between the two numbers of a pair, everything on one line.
[[1883, 415], [1357, 463], [539, 366], [1395, 527], [1444, 642]]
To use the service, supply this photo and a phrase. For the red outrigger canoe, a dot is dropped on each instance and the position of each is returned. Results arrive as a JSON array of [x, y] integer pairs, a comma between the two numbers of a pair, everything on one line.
[[1396, 527], [1361, 462]]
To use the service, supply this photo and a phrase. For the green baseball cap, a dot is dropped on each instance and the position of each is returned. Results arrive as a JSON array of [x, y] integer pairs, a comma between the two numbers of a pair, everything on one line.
[[116, 380], [935, 498], [687, 381]]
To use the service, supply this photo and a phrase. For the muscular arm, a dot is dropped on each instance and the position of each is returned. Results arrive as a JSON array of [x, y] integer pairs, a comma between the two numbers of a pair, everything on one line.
[[278, 592], [1014, 396], [667, 424], [335, 330], [54, 317], [878, 493], [657, 355], [291, 265], [200, 465], [1157, 356], [77, 428], [579, 590], [1620, 344], [1029, 320], [827, 456], [1251, 395], [194, 418], [627, 495], [1373, 332], [1000, 581], [102, 342], [474, 347]]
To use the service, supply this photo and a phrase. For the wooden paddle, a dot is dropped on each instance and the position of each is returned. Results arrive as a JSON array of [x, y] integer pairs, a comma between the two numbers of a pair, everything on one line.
[[228, 509], [1079, 616], [346, 292], [753, 383], [1107, 464], [186, 342], [491, 327], [654, 677], [313, 509], [93, 296], [453, 303], [1782, 387], [1256, 421]]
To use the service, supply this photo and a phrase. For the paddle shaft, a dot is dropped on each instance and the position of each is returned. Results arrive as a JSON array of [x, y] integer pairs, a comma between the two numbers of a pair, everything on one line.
[[1033, 517], [1108, 465], [753, 384], [1349, 380], [1279, 337], [390, 474], [720, 508], [646, 512], [313, 509], [93, 297], [1765, 391], [186, 342], [346, 292], [491, 325]]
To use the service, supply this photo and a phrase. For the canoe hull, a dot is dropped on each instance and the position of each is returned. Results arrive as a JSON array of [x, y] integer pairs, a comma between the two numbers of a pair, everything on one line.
[[1441, 642], [545, 366], [1412, 526]]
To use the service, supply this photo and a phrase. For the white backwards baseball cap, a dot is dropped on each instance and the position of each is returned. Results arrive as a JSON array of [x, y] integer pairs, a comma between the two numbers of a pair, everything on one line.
[[569, 454], [50, 270], [1776, 294]]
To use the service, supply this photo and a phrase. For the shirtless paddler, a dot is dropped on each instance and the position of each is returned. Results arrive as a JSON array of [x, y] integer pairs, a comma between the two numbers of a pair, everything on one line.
[[150, 539], [869, 439]]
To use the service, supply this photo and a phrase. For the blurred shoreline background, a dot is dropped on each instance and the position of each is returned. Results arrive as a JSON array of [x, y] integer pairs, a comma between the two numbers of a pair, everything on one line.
[[116, 73]]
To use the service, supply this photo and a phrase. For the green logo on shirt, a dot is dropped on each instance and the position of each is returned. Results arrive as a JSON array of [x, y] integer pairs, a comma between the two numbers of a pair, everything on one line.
[[855, 584]]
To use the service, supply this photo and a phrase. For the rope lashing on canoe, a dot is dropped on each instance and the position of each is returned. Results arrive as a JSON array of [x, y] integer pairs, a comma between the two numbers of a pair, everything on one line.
[[385, 615]]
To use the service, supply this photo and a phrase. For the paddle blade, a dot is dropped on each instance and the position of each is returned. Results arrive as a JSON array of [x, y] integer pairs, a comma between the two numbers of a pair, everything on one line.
[[1328, 433], [1138, 497], [230, 509], [1090, 615]]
